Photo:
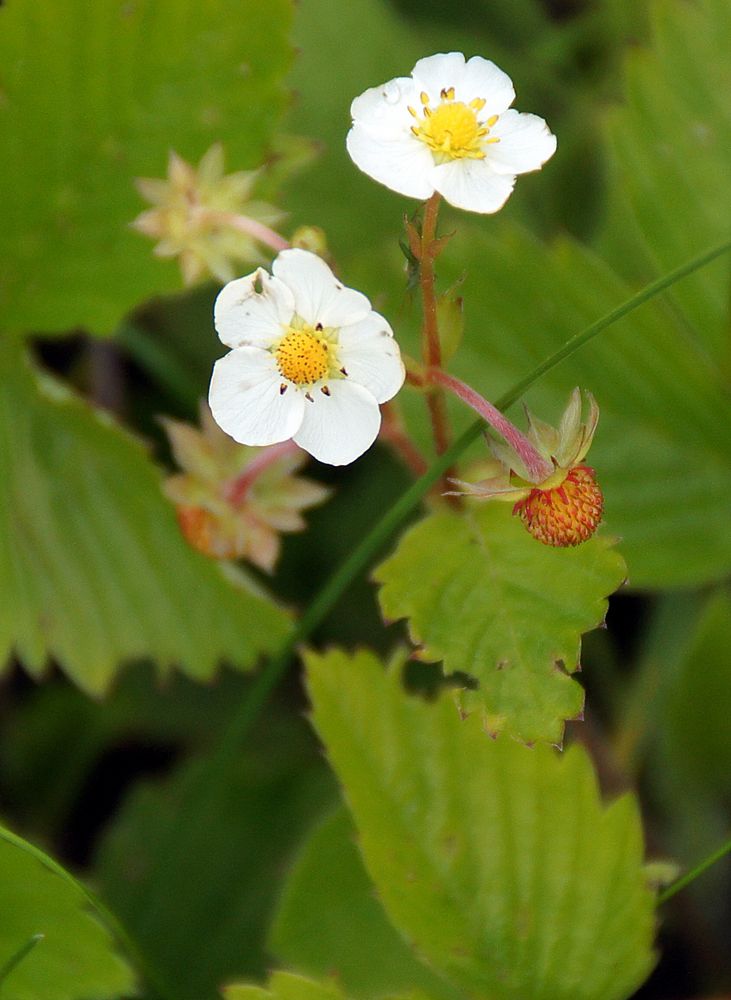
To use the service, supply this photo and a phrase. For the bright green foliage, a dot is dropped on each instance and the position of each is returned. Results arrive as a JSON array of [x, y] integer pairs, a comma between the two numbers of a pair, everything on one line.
[[94, 94], [93, 568], [498, 862], [285, 986], [671, 159], [335, 925], [200, 911], [77, 957], [487, 599]]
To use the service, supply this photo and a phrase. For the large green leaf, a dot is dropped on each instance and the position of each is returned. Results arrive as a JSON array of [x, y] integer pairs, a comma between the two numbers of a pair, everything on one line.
[[483, 596], [498, 862], [94, 94], [76, 957], [93, 568], [335, 925], [670, 160]]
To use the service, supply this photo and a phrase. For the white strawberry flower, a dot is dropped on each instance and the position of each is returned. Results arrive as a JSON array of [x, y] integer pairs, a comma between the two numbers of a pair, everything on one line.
[[310, 360], [449, 128]]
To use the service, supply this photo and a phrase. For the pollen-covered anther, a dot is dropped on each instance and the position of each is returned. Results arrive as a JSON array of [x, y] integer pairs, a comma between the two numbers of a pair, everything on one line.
[[303, 357], [564, 515], [452, 130]]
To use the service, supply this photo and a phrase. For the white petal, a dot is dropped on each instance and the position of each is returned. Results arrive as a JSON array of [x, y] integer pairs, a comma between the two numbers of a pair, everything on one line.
[[472, 185], [483, 79], [383, 111], [319, 297], [338, 428], [525, 143], [402, 163], [435, 73], [246, 402], [244, 316], [371, 357]]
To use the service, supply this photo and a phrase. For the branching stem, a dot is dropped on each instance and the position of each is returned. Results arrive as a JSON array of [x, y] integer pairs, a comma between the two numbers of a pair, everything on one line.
[[430, 345]]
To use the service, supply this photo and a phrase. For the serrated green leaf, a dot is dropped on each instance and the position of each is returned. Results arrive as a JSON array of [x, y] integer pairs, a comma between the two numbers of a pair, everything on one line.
[[95, 93], [93, 568], [487, 599], [76, 957], [335, 925], [201, 916], [497, 862]]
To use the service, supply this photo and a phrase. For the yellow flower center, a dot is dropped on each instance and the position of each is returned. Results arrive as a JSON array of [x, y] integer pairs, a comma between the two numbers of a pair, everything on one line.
[[453, 130], [303, 356]]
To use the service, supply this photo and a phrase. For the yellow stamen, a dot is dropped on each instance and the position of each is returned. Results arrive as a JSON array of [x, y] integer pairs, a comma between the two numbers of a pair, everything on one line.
[[303, 357], [452, 131], [424, 97], [492, 120], [478, 104]]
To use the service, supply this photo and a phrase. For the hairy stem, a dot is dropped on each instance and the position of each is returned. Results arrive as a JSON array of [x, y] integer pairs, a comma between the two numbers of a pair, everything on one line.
[[430, 346], [536, 465]]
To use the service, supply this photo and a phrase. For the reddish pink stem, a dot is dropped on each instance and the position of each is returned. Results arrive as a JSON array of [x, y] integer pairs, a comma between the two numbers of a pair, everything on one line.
[[249, 226], [536, 465], [237, 490], [393, 431]]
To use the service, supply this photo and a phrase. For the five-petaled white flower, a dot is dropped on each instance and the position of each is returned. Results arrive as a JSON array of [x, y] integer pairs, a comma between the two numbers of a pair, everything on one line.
[[311, 360], [448, 128]]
